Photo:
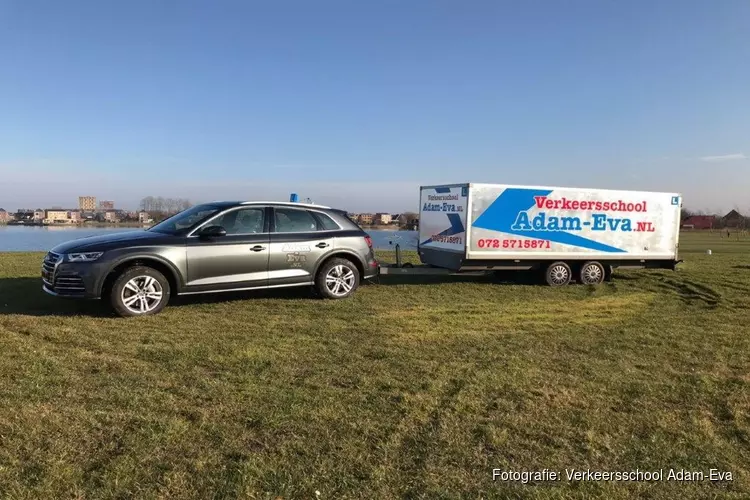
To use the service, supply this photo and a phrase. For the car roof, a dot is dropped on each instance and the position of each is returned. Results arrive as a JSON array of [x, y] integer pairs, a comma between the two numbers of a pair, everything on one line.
[[283, 203]]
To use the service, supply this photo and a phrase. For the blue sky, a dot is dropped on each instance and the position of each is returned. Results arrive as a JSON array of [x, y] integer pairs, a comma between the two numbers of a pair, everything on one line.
[[358, 103]]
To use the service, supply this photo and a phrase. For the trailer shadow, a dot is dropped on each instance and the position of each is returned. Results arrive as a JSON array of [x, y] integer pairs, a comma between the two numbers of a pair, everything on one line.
[[529, 278]]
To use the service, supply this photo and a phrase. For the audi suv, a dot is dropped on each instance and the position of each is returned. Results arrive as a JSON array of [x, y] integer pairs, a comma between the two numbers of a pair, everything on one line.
[[215, 247]]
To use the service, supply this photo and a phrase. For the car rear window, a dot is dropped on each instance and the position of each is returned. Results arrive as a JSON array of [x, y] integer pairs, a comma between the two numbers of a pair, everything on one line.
[[326, 222]]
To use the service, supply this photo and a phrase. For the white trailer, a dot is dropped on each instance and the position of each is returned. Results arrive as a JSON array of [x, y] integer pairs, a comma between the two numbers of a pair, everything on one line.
[[568, 233]]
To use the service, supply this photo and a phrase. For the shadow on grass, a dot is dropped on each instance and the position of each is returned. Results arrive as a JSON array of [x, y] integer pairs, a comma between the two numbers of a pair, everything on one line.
[[530, 278], [25, 296], [741, 267]]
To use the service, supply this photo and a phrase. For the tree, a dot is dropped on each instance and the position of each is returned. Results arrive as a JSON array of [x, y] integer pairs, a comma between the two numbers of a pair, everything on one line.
[[406, 218], [686, 213], [159, 207]]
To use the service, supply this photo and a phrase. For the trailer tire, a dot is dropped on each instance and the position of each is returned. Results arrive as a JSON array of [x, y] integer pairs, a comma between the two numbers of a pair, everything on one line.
[[592, 273], [558, 274]]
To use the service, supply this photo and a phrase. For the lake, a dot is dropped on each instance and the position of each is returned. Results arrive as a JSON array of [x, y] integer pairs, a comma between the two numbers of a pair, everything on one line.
[[43, 238]]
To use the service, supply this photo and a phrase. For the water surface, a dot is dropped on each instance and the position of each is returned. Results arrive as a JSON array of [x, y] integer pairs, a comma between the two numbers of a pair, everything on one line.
[[43, 238]]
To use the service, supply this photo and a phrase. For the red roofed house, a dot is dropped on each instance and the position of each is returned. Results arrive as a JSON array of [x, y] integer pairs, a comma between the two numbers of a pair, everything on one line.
[[699, 222]]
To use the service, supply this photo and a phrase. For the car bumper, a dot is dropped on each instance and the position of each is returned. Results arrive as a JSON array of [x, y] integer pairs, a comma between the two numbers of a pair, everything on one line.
[[373, 269], [71, 280]]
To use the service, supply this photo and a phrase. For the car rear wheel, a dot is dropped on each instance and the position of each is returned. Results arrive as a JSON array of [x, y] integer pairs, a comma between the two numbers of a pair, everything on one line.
[[337, 279], [139, 291]]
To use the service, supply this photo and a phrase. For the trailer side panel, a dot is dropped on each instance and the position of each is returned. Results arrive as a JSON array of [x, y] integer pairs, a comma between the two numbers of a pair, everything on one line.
[[530, 223]]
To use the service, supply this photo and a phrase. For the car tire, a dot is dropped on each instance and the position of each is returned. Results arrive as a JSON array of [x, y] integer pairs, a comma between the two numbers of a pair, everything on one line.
[[337, 279], [558, 274], [139, 291]]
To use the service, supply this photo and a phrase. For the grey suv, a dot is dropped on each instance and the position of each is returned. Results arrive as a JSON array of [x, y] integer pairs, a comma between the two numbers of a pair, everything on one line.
[[215, 247]]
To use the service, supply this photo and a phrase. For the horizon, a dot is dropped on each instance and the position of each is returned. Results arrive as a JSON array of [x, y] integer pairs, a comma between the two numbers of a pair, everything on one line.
[[357, 105]]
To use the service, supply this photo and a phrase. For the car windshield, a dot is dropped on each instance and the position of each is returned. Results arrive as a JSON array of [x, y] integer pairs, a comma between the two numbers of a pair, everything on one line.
[[182, 222]]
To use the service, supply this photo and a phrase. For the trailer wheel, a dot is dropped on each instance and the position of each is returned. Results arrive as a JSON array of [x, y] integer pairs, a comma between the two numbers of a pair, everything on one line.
[[592, 273], [558, 274]]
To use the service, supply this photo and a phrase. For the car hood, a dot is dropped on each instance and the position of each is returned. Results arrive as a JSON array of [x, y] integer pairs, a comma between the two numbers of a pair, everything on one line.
[[101, 243]]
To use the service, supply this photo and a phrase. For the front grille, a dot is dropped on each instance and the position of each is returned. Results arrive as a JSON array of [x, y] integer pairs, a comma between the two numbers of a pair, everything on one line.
[[48, 268], [64, 283]]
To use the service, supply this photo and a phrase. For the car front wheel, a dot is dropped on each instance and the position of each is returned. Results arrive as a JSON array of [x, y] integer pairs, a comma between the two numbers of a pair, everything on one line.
[[139, 291], [337, 279]]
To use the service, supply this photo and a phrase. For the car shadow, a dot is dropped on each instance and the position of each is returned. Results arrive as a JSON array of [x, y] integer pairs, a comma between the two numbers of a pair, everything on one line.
[[25, 296]]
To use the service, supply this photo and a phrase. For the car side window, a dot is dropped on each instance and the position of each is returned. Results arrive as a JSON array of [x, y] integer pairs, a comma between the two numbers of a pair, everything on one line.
[[243, 221], [327, 223], [290, 220]]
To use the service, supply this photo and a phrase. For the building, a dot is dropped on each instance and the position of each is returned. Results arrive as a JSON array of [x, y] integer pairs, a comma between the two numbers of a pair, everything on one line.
[[111, 216], [365, 219], [87, 203], [57, 216], [383, 219], [106, 205], [24, 215], [39, 215], [699, 222], [733, 220], [74, 216], [144, 217]]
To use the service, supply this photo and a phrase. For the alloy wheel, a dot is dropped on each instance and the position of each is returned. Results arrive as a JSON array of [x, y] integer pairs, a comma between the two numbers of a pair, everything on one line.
[[592, 274], [142, 294], [340, 280], [559, 275]]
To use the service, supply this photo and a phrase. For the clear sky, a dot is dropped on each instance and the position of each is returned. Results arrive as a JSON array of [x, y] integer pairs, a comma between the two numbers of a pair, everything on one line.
[[357, 103]]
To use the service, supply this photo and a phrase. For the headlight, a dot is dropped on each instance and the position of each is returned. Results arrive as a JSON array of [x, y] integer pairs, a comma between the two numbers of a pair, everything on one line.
[[84, 257]]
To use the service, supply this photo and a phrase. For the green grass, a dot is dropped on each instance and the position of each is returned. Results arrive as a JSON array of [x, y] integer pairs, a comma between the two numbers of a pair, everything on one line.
[[403, 391]]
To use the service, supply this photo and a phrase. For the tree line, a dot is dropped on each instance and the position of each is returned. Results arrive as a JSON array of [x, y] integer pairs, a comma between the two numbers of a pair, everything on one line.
[[720, 221], [168, 205], [160, 208]]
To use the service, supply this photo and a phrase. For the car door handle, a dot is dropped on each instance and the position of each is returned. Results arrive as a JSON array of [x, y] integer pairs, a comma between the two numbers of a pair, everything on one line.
[[257, 248], [321, 245]]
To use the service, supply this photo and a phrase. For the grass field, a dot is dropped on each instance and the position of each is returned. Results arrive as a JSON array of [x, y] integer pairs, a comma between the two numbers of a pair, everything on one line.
[[403, 391]]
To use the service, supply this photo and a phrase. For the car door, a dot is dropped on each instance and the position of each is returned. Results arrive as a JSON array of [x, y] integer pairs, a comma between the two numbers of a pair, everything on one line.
[[237, 260], [298, 243]]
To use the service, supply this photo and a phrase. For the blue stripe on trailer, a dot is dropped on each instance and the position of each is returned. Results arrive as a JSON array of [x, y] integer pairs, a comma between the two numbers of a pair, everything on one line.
[[502, 213]]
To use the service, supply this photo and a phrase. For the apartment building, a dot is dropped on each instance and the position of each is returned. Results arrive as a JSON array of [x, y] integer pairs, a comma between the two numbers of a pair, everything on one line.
[[87, 203], [106, 205], [365, 219]]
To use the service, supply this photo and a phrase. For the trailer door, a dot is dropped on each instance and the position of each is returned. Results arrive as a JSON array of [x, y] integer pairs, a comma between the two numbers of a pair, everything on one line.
[[442, 217]]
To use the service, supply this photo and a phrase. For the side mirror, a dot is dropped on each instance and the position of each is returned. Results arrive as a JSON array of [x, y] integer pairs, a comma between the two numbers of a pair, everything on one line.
[[212, 232]]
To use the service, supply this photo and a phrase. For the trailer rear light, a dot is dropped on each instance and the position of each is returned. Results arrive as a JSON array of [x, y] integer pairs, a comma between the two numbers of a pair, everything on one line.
[[369, 241]]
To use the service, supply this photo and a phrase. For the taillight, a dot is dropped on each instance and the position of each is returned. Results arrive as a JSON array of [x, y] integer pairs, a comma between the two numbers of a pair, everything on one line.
[[369, 241]]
